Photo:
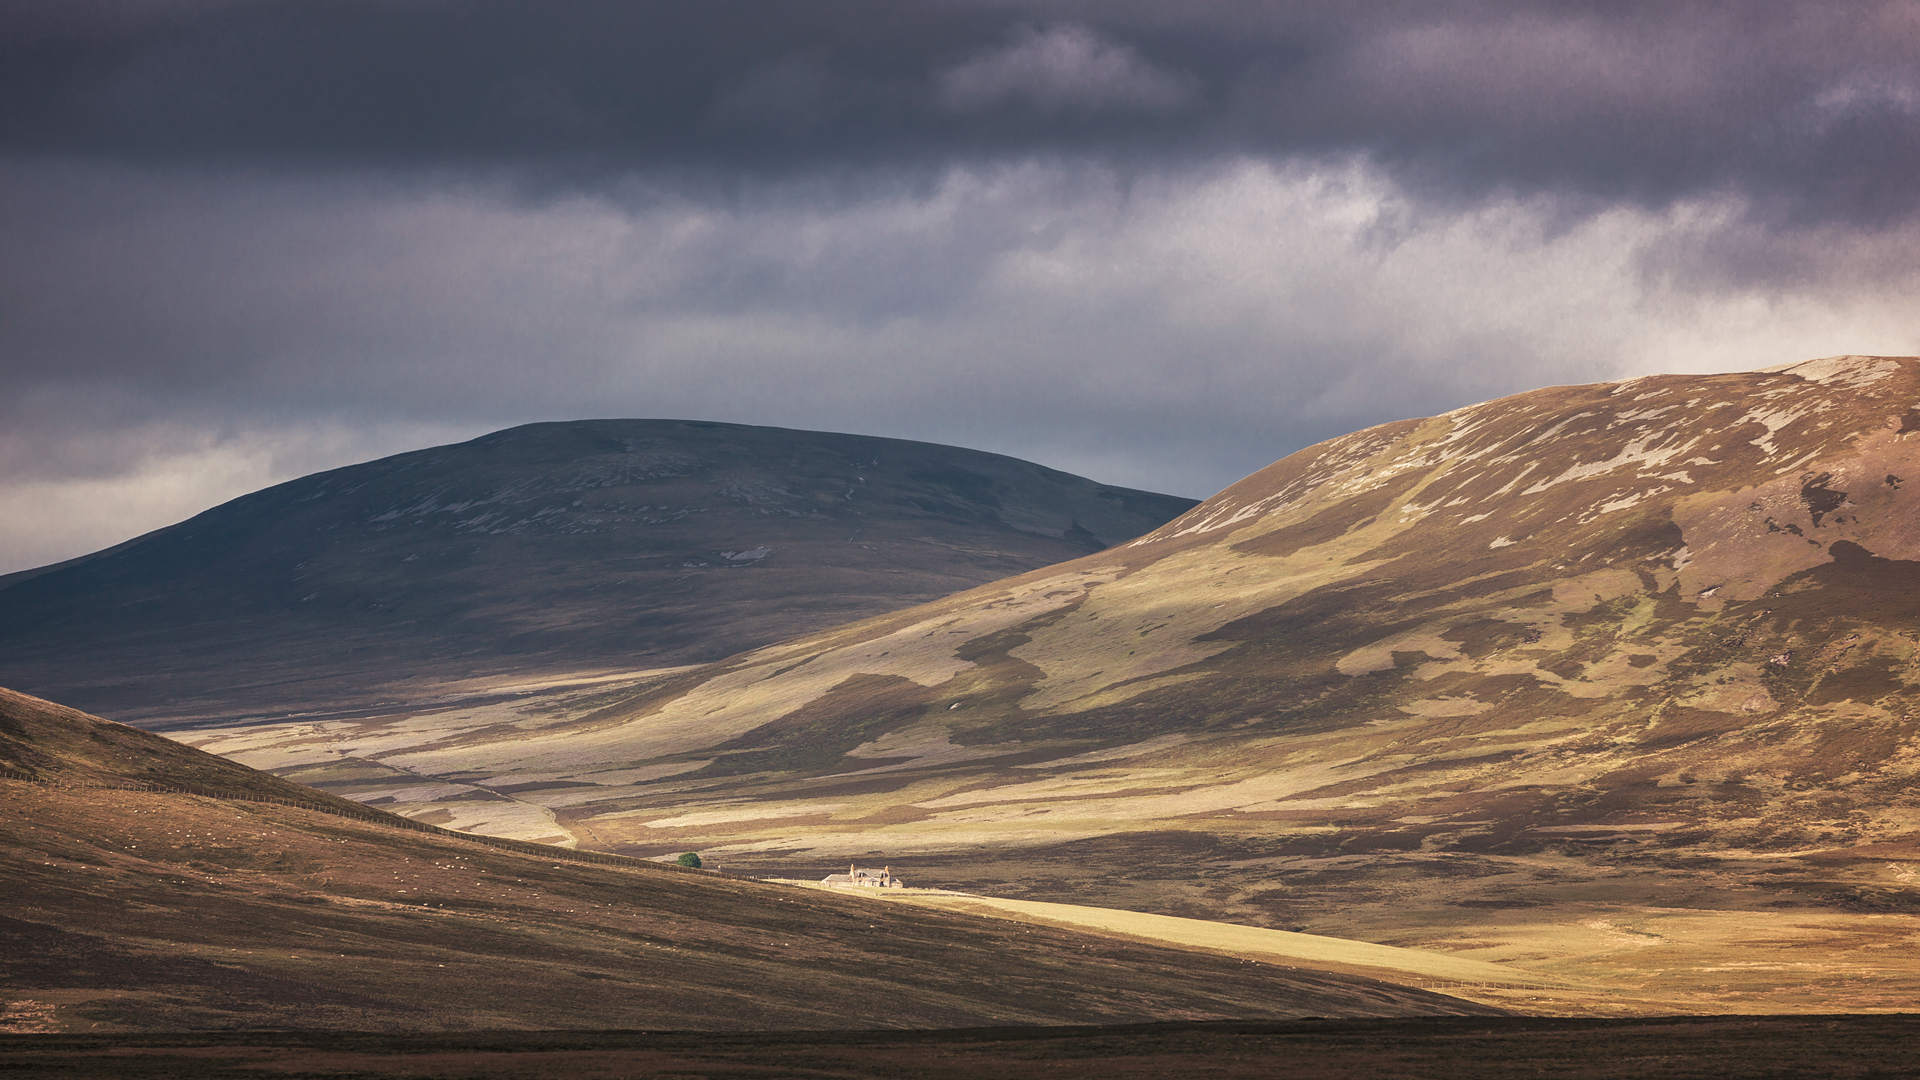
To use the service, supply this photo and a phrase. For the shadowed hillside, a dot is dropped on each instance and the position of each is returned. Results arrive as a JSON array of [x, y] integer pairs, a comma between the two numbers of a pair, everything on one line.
[[540, 551], [155, 910]]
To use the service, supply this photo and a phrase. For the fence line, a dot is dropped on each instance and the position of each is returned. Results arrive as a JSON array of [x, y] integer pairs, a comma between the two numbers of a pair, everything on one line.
[[375, 817]]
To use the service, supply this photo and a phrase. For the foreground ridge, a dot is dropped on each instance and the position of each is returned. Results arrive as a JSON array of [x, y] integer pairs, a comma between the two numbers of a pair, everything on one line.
[[133, 907]]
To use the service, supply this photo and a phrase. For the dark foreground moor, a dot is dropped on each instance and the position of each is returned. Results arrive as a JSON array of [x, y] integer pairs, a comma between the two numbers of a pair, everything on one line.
[[1449, 1048]]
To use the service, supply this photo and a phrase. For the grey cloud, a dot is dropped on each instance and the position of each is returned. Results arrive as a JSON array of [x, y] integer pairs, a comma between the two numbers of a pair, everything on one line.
[[1065, 68], [1806, 109], [1236, 310], [174, 337]]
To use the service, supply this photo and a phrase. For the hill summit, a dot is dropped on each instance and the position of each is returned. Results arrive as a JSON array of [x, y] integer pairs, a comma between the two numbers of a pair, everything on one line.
[[543, 549]]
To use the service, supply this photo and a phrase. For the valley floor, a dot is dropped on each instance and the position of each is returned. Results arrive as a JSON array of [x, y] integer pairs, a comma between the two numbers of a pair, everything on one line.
[[1544, 935], [1620, 962]]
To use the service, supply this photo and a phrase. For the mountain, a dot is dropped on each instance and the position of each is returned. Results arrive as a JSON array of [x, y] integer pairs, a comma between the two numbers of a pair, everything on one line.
[[1648, 643], [135, 905], [537, 552]]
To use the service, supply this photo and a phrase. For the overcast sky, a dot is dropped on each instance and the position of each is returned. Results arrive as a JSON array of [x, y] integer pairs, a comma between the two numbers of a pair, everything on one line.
[[1159, 244]]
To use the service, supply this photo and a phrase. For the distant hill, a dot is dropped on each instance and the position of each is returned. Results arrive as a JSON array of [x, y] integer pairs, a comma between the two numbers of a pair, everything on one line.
[[539, 550], [149, 910]]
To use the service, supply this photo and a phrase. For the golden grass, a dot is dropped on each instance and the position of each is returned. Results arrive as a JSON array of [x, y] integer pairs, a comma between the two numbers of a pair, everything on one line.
[[1307, 950], [1597, 960], [1458, 976]]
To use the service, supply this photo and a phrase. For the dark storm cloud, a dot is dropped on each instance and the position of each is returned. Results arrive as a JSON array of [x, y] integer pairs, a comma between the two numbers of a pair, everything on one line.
[[1811, 110]]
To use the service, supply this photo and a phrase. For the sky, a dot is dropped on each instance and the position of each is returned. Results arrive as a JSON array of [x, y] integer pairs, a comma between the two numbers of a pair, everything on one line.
[[1158, 244]]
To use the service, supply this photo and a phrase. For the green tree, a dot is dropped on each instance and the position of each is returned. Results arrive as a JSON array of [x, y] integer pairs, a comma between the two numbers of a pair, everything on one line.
[[689, 859]]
